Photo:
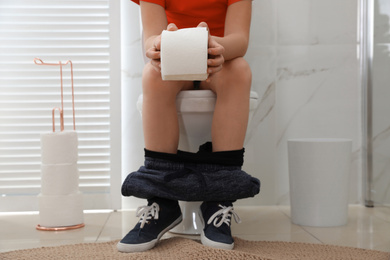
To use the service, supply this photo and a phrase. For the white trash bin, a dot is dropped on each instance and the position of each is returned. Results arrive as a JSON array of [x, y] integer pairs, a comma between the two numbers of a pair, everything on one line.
[[319, 180]]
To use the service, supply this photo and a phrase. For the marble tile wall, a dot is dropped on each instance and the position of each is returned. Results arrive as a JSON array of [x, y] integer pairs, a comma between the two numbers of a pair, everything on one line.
[[304, 58]]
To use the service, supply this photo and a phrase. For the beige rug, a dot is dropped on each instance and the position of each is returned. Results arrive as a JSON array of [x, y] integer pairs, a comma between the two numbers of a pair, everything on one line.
[[183, 249]]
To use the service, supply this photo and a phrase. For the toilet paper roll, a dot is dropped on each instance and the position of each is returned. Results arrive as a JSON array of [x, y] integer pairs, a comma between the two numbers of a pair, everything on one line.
[[61, 211], [59, 179], [59, 147], [184, 54]]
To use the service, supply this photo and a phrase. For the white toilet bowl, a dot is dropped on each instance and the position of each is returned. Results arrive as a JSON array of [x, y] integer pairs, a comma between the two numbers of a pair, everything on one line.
[[195, 113]]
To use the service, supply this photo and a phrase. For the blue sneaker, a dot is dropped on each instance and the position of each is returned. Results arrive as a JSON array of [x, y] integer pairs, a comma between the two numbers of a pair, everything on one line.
[[159, 216], [217, 232]]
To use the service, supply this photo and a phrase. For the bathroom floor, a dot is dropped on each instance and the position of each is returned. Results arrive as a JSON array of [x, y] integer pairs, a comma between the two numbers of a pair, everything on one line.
[[367, 228]]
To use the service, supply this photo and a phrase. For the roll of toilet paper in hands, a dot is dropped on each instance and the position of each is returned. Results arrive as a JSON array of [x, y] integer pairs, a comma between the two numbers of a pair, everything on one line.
[[184, 54]]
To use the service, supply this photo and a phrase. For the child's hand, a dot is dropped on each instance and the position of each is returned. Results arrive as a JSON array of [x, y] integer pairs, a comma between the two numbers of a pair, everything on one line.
[[154, 52], [215, 51]]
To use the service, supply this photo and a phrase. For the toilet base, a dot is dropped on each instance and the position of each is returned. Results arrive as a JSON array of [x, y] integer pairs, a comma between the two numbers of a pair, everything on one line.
[[191, 224]]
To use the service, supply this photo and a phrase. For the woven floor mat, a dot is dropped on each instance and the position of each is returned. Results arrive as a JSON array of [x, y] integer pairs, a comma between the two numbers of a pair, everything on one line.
[[182, 248]]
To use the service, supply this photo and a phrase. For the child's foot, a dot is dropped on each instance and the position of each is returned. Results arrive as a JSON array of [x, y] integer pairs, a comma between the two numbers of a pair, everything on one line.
[[156, 219], [216, 232]]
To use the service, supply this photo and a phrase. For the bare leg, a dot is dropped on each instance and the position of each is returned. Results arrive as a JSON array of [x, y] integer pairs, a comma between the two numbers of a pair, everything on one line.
[[159, 115], [232, 86]]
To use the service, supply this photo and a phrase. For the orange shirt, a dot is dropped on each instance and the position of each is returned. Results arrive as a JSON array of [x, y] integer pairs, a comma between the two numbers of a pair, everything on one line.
[[189, 13]]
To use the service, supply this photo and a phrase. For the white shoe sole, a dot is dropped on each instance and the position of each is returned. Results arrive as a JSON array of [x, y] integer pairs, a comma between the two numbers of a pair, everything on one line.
[[131, 248], [207, 242]]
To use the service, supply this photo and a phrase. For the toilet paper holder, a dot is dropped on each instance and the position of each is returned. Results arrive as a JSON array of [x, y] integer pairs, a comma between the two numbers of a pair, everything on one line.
[[38, 61]]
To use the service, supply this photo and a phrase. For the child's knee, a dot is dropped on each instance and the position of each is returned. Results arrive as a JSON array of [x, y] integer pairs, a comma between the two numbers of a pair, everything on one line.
[[151, 80], [237, 76], [150, 76], [241, 71], [154, 86]]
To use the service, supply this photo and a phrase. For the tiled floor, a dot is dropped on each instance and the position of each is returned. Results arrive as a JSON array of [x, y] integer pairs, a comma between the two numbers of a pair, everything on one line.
[[367, 228]]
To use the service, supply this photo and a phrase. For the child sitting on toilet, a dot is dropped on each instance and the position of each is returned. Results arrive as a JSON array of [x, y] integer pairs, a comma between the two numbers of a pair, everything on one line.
[[228, 22]]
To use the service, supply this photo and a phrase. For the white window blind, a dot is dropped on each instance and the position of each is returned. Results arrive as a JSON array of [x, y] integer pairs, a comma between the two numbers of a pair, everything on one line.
[[53, 31]]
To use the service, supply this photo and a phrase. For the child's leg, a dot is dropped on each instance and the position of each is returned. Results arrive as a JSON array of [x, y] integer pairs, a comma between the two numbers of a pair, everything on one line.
[[159, 115], [161, 133], [232, 86]]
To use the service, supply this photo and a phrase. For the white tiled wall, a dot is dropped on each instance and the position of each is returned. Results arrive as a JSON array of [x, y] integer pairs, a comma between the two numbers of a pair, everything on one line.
[[304, 58]]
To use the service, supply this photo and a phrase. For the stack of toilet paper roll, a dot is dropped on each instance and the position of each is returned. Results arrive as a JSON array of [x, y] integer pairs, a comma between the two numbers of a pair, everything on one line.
[[184, 54], [60, 201]]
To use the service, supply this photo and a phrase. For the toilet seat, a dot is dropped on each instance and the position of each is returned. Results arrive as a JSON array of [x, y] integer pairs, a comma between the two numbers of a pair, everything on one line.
[[206, 93], [203, 101], [199, 101]]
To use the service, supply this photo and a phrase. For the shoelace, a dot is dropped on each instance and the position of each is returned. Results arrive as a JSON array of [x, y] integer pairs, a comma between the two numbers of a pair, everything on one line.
[[226, 215], [147, 213]]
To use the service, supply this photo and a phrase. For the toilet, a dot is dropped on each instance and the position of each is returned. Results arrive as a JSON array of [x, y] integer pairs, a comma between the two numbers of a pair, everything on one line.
[[195, 114]]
